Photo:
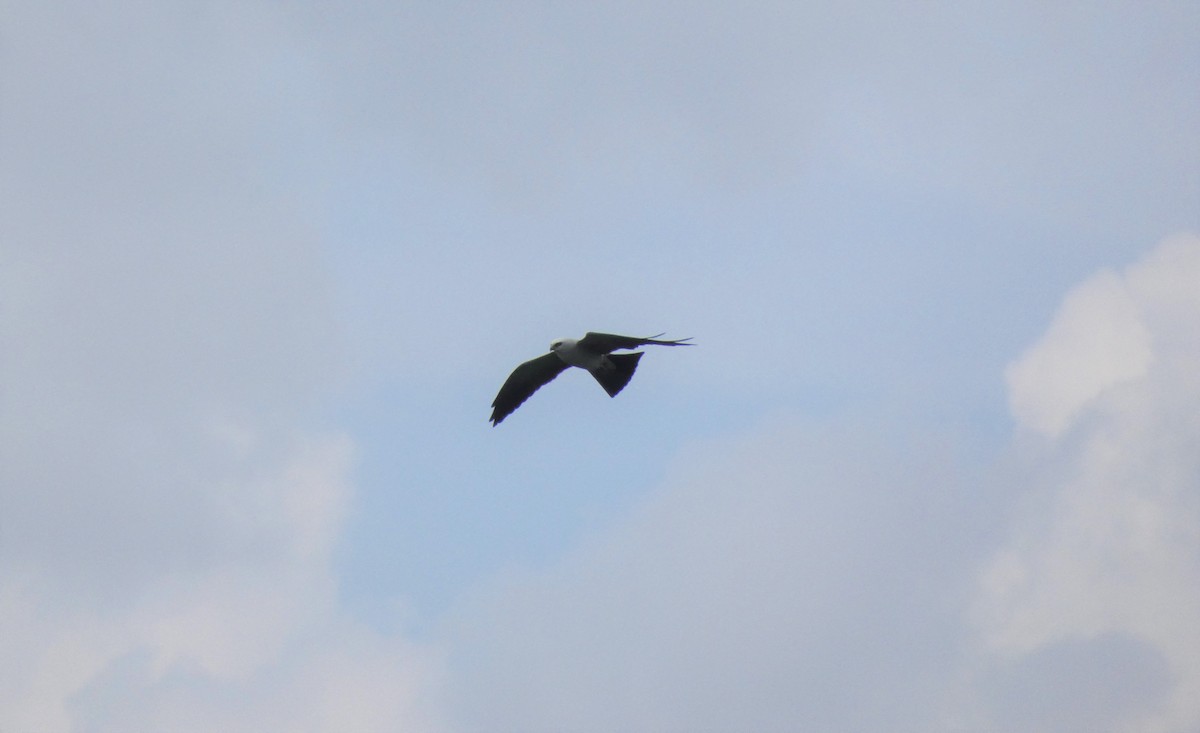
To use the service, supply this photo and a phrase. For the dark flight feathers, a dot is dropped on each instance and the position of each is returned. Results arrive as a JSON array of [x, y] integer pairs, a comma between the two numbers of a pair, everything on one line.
[[523, 382]]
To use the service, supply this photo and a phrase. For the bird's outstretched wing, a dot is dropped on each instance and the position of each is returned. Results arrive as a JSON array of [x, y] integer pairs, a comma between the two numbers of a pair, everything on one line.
[[524, 381], [603, 343]]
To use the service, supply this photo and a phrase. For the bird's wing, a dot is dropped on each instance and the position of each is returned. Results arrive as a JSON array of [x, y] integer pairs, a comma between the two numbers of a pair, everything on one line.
[[524, 381], [603, 343]]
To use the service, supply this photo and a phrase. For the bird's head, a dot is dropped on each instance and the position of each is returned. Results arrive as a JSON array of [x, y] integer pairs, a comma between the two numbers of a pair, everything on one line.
[[558, 344]]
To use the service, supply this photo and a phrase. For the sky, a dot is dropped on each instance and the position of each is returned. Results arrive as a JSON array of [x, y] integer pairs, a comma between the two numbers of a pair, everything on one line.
[[930, 466]]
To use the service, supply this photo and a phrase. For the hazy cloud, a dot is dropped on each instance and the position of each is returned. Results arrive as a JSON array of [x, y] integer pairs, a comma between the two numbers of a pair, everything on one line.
[[773, 582], [168, 506], [1100, 683], [1108, 543]]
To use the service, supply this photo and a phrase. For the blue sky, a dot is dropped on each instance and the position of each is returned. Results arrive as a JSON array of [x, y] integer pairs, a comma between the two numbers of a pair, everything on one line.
[[930, 466]]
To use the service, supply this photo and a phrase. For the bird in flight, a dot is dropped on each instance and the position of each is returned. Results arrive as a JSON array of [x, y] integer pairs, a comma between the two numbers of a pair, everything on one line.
[[592, 352]]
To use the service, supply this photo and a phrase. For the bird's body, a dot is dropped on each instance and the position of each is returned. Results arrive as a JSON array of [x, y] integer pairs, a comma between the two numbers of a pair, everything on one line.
[[569, 351], [593, 352]]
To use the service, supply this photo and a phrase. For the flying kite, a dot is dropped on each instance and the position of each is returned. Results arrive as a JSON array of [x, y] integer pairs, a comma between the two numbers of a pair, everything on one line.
[[592, 352]]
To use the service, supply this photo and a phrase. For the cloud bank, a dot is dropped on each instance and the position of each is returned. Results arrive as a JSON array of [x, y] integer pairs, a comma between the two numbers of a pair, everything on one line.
[[168, 509], [1108, 545], [830, 577]]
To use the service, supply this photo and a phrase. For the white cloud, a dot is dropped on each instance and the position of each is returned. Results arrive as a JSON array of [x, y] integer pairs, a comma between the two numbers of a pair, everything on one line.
[[1110, 543], [1110, 331], [1096, 341]]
